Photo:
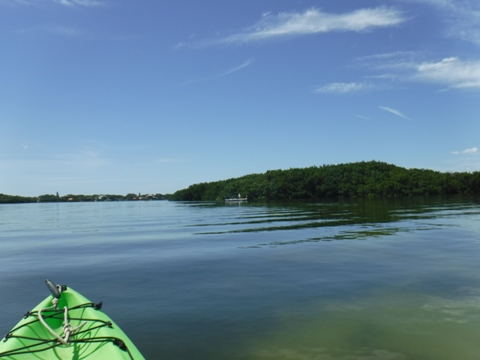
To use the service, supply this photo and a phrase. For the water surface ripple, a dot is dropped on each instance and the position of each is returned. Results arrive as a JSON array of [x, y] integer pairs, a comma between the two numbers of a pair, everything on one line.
[[348, 279]]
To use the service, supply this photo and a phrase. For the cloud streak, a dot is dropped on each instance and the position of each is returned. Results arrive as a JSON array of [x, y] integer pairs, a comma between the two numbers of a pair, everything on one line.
[[473, 150], [16, 2], [452, 72], [362, 117], [220, 75], [313, 21], [69, 3], [461, 17], [85, 3], [341, 88], [246, 63], [393, 111]]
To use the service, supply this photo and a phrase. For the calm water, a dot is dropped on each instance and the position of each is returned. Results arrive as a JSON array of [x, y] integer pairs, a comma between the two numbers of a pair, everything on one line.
[[384, 279]]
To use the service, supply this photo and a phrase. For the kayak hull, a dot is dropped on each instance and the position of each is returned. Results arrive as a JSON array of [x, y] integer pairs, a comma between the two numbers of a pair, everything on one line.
[[98, 338]]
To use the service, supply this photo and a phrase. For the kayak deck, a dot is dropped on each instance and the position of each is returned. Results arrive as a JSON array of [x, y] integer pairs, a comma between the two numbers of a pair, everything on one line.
[[92, 334]]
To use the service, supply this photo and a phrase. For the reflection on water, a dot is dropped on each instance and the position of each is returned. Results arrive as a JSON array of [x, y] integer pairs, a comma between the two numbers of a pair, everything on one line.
[[260, 280], [350, 220]]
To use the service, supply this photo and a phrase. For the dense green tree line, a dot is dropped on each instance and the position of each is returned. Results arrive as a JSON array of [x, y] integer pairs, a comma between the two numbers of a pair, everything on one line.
[[362, 179], [11, 199]]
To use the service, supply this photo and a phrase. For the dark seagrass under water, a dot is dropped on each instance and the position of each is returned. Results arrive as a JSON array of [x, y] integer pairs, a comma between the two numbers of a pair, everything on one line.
[[359, 279]]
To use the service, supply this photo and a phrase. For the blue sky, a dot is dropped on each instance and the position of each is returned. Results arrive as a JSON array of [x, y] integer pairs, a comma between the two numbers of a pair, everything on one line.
[[104, 96]]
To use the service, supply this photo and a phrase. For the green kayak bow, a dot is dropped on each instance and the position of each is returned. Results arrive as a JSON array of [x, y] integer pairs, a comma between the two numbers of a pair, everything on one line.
[[66, 325]]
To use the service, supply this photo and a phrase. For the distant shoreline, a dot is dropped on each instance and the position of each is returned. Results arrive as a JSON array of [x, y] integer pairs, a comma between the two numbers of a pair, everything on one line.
[[360, 179], [50, 198]]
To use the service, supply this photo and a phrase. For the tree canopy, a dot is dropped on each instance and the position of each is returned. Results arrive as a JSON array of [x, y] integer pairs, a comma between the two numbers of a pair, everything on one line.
[[11, 199], [361, 179]]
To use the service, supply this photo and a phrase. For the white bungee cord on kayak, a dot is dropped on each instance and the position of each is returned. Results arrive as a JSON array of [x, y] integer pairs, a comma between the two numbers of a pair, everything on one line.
[[67, 328], [66, 325]]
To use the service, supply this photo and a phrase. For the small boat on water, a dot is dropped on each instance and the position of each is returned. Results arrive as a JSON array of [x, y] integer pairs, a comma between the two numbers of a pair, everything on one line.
[[66, 325], [237, 199]]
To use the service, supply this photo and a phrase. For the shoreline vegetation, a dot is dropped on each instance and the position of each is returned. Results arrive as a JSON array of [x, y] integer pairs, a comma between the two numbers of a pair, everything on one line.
[[360, 179], [48, 198], [351, 180]]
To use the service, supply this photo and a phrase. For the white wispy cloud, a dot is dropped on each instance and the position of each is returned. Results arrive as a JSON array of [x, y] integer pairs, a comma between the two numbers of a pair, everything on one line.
[[219, 75], [65, 31], [57, 30], [341, 88], [70, 3], [392, 61], [232, 70], [86, 3], [362, 117], [313, 21], [16, 2], [393, 111], [473, 150], [401, 67], [461, 18], [452, 72]]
